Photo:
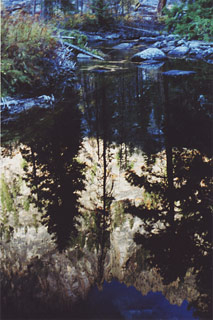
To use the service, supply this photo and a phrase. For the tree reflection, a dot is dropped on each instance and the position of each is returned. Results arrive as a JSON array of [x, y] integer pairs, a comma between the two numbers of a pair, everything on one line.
[[50, 142], [178, 217], [96, 211]]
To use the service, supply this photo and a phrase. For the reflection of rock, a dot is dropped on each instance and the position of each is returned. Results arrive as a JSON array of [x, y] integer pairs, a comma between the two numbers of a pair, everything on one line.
[[151, 64]]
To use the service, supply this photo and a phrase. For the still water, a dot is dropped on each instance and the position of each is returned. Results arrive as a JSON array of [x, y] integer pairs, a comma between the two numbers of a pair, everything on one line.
[[132, 122]]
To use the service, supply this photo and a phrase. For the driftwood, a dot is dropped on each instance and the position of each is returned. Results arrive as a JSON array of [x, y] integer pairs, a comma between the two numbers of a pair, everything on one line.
[[17, 7], [80, 50], [66, 37]]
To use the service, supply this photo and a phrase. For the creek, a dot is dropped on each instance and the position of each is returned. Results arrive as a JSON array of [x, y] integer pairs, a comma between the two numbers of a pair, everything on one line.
[[145, 138]]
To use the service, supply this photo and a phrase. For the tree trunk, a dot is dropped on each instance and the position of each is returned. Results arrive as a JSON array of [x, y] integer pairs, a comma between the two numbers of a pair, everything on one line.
[[161, 5]]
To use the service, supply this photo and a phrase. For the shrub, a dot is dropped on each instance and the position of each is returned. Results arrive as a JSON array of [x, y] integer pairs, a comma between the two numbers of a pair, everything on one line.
[[80, 21], [25, 43], [193, 20]]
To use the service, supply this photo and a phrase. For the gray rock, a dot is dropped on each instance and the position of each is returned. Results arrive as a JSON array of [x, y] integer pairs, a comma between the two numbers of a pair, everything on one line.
[[178, 73], [194, 44], [158, 45], [181, 43], [208, 54], [160, 38], [179, 51], [124, 46], [196, 53], [171, 43], [149, 54], [198, 43], [113, 36], [171, 37], [167, 49]]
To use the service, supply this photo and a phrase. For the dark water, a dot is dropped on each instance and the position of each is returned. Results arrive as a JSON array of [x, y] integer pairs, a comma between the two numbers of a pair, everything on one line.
[[137, 108], [117, 301]]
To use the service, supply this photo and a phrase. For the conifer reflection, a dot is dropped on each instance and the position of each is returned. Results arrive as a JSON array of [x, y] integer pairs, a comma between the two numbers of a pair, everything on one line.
[[178, 217], [51, 139], [97, 151]]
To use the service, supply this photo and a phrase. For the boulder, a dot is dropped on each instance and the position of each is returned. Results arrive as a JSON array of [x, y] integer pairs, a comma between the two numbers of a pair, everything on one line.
[[179, 51], [149, 54]]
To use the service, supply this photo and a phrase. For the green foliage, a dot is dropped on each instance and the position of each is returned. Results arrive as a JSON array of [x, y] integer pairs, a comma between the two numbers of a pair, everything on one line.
[[80, 21], [25, 43], [101, 10], [193, 20], [79, 39]]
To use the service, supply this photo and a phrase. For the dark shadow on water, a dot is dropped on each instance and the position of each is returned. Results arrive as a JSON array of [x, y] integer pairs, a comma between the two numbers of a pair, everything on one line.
[[117, 301]]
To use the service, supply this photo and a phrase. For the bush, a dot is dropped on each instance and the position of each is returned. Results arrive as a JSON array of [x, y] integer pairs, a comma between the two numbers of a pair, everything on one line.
[[191, 20], [80, 21], [25, 43]]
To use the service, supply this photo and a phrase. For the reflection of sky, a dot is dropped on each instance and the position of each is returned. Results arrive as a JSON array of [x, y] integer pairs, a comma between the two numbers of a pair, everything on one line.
[[116, 301]]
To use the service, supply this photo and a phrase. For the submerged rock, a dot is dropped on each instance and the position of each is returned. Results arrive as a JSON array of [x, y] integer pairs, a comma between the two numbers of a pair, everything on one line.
[[149, 54], [124, 46], [178, 73]]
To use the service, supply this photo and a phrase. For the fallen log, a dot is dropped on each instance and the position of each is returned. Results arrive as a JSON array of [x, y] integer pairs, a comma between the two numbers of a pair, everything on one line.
[[80, 50]]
